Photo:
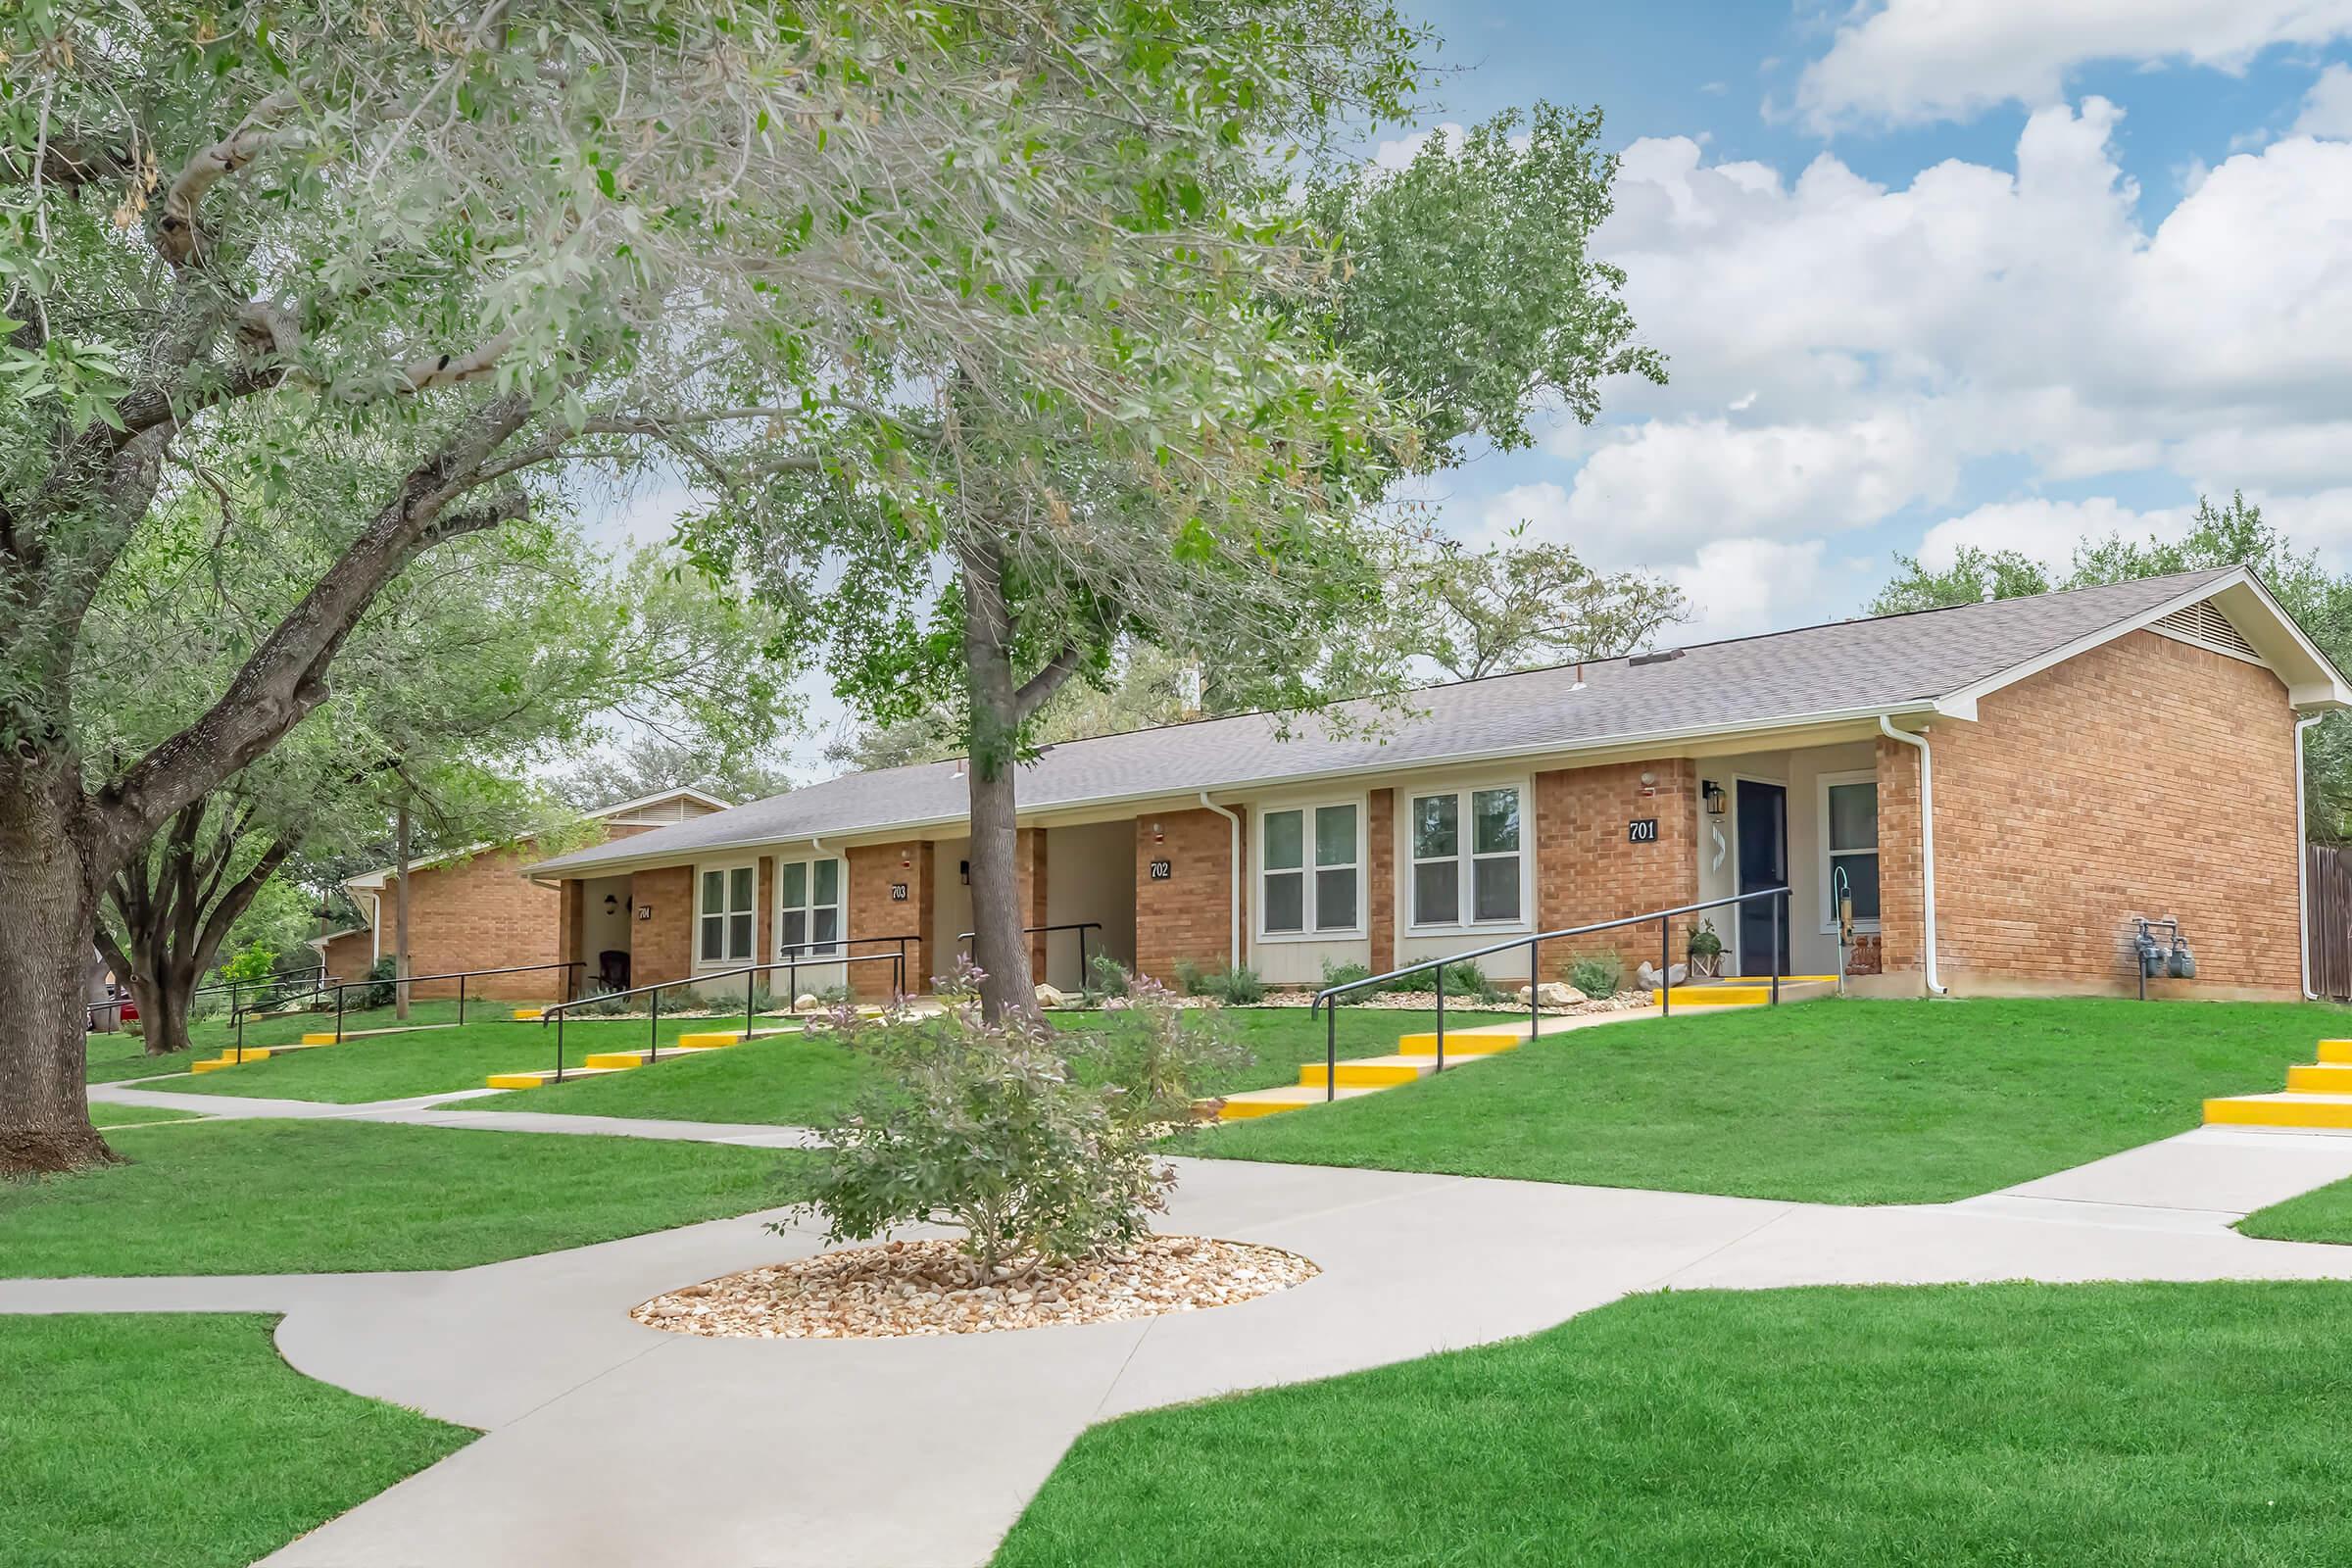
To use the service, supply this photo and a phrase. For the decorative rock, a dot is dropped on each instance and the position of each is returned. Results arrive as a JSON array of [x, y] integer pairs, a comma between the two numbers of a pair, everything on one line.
[[1675, 975], [1553, 994], [929, 1287], [805, 1001], [1048, 997]]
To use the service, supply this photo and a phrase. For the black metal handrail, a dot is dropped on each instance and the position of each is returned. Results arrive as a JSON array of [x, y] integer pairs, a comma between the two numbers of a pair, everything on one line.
[[341, 986], [1533, 944], [1081, 927], [265, 983], [788, 961]]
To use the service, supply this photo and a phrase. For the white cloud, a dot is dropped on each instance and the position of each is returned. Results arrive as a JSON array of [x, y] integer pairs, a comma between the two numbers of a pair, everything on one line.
[[1740, 587], [1398, 152], [2327, 106], [2046, 531], [1669, 486], [1910, 60]]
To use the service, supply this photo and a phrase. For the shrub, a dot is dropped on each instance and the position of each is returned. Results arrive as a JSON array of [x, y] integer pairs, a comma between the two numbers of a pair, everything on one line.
[[985, 1125], [1236, 988], [600, 1005], [1597, 974], [1467, 979], [1108, 977], [378, 992], [1340, 974]]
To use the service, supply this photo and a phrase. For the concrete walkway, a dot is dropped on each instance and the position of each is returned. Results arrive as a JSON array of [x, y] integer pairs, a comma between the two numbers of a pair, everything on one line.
[[448, 1110], [609, 1443]]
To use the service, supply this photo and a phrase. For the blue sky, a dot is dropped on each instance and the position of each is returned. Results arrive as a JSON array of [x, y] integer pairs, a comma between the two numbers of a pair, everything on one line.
[[2011, 273]]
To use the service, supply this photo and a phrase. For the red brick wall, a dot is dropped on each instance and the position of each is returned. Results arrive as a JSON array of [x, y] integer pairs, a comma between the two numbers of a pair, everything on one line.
[[662, 945], [2147, 777], [1380, 874], [349, 956], [1585, 871], [480, 913], [872, 870], [1189, 916]]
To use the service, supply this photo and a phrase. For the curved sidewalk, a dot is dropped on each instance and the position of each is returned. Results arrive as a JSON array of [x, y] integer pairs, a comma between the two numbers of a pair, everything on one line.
[[609, 1444]]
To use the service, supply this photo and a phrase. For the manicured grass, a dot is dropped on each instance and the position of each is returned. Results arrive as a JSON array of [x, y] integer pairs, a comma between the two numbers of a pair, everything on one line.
[[805, 1082], [111, 1059], [334, 1197], [182, 1439], [2322, 1216], [2008, 1425], [104, 1117], [1833, 1102], [432, 1061]]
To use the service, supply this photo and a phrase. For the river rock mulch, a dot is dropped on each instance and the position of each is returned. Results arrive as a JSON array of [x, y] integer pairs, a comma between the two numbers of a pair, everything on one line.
[[926, 1287]]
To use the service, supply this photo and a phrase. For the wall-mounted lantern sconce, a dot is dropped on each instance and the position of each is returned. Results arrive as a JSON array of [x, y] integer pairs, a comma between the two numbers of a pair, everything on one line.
[[1718, 798], [611, 902], [963, 871]]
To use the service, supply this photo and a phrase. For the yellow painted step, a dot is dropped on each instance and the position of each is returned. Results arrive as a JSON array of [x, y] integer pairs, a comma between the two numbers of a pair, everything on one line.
[[533, 1080], [708, 1042], [1250, 1109], [529, 1015], [2281, 1111], [2336, 1051], [1371, 1072], [315, 1039], [2327, 1078], [1467, 1042], [1255, 1103], [228, 1060], [615, 1060], [1716, 996]]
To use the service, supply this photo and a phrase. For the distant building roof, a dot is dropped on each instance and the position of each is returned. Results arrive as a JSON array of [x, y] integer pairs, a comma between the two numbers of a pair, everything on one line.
[[1928, 661]]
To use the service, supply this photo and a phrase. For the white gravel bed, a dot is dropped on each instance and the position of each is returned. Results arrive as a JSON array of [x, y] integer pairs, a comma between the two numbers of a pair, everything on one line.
[[925, 1287]]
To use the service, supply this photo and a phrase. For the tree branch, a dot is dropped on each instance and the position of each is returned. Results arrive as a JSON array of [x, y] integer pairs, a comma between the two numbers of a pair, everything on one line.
[[284, 679], [177, 233], [1039, 687]]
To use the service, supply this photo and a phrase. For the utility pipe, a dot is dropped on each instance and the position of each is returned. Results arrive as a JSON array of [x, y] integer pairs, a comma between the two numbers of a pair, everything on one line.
[[1235, 860], [2303, 862], [1926, 842]]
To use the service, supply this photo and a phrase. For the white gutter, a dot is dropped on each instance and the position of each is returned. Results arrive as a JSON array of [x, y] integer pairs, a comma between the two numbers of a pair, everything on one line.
[[1926, 842], [1240, 958], [2303, 862]]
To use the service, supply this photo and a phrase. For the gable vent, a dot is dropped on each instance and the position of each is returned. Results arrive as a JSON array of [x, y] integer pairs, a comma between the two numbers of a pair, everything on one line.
[[2204, 624]]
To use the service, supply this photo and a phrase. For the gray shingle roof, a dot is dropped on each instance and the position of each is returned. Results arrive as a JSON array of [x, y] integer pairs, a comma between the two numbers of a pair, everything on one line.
[[1888, 663]]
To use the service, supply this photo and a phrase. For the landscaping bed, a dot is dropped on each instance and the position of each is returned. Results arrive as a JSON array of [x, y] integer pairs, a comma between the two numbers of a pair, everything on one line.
[[2023, 1426], [1834, 1100], [332, 1197], [181, 1439], [914, 1289]]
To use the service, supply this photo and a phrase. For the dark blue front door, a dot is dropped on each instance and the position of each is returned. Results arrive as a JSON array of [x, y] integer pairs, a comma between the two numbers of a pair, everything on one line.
[[1763, 863]]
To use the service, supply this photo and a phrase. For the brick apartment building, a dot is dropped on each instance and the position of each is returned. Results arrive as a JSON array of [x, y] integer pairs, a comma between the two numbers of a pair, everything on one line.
[[476, 909], [2001, 789]]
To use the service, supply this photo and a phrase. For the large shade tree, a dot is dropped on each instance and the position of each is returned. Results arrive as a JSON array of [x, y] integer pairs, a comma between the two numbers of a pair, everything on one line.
[[1043, 547], [452, 248]]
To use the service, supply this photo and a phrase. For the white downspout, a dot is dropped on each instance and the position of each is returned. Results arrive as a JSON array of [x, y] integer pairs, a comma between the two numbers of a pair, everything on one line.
[[1927, 842], [1240, 958], [2303, 863]]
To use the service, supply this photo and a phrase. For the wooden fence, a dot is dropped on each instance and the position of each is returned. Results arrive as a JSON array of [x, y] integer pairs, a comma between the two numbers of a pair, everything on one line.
[[2329, 882]]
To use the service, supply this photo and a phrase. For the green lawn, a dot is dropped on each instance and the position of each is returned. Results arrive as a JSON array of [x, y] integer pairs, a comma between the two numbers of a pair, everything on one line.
[[799, 1083], [431, 1061], [111, 1059], [284, 1197], [2009, 1425], [104, 1117], [2322, 1216], [1834, 1101], [182, 1439]]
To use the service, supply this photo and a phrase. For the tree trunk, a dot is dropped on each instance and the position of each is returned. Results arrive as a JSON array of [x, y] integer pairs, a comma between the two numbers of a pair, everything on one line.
[[48, 908], [1000, 942], [399, 913]]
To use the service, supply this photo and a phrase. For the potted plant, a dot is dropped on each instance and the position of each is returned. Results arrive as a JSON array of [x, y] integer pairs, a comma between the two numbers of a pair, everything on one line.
[[1706, 951]]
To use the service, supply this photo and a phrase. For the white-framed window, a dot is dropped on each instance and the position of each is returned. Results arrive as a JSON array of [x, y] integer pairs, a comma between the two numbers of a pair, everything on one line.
[[1310, 878], [808, 906], [725, 901], [1849, 844], [1467, 854]]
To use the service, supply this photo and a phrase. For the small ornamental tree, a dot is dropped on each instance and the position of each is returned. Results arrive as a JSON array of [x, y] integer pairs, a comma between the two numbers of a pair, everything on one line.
[[995, 1126]]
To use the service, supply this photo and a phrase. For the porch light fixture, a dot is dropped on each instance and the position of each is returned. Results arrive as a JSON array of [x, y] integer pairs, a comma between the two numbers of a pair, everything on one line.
[[1718, 798], [612, 903]]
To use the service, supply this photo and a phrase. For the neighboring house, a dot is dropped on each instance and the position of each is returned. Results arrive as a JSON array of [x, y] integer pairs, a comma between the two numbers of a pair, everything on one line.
[[2093, 756], [476, 909]]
